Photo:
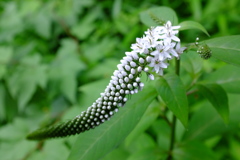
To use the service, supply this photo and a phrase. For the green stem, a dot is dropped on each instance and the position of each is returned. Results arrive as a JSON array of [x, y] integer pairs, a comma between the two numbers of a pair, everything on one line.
[[177, 67], [174, 119], [172, 140]]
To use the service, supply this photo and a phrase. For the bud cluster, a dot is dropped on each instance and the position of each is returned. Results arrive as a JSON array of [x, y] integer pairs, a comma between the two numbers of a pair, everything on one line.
[[152, 51]]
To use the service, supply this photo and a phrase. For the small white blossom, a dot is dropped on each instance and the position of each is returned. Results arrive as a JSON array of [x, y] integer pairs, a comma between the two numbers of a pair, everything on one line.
[[151, 76], [161, 52], [180, 49], [140, 46], [169, 33], [158, 65]]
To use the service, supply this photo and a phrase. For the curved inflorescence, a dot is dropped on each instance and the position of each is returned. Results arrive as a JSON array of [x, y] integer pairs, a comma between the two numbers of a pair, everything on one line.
[[159, 45]]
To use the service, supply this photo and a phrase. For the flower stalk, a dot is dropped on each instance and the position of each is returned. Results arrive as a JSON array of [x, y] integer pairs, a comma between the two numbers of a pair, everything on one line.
[[150, 54]]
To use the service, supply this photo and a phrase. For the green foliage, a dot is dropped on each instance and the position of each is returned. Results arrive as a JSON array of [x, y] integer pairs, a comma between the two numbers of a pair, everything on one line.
[[172, 92], [158, 16], [192, 25], [193, 150], [230, 81], [226, 49], [56, 57], [218, 97]]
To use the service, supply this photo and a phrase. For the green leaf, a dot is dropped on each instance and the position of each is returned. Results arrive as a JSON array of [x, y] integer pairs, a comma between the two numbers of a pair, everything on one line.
[[91, 91], [54, 149], [27, 76], [234, 148], [116, 9], [19, 126], [192, 62], [193, 150], [10, 18], [107, 136], [107, 45], [205, 123], [42, 22], [150, 153], [161, 13], [192, 25], [2, 103], [226, 49], [148, 118], [117, 154], [234, 103], [86, 26], [5, 56], [64, 70], [20, 149], [83, 30], [103, 70], [163, 134], [230, 81], [218, 98], [142, 142], [173, 93]]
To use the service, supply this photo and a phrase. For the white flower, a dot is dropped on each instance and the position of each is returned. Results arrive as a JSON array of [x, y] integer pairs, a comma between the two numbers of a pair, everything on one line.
[[159, 30], [150, 32], [168, 37], [180, 49], [169, 33], [158, 65], [151, 42], [140, 46], [168, 26], [161, 52], [172, 50], [151, 76]]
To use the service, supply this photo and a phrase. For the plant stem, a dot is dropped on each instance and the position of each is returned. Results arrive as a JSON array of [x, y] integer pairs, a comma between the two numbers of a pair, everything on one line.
[[177, 67], [172, 140], [174, 119]]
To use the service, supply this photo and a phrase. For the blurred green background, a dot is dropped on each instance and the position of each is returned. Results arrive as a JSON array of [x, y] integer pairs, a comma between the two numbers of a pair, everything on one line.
[[57, 56]]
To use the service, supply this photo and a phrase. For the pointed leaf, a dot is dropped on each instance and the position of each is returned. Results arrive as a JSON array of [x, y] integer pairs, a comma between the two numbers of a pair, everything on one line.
[[20, 148], [192, 25], [161, 13], [204, 123], [163, 135], [230, 81], [151, 153], [193, 150], [28, 75], [107, 136], [67, 60], [147, 119], [192, 62], [226, 49], [218, 97], [173, 93]]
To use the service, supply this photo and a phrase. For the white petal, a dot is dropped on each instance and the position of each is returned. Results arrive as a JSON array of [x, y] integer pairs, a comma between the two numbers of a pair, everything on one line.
[[164, 65], [156, 68], [155, 52], [161, 57], [175, 38], [151, 76], [176, 27], [174, 53]]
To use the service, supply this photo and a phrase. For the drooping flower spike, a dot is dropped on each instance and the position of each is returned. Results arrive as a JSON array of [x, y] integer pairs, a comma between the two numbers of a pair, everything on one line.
[[151, 52]]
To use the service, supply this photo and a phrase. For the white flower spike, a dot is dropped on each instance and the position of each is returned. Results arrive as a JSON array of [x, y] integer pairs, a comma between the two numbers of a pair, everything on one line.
[[150, 53]]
